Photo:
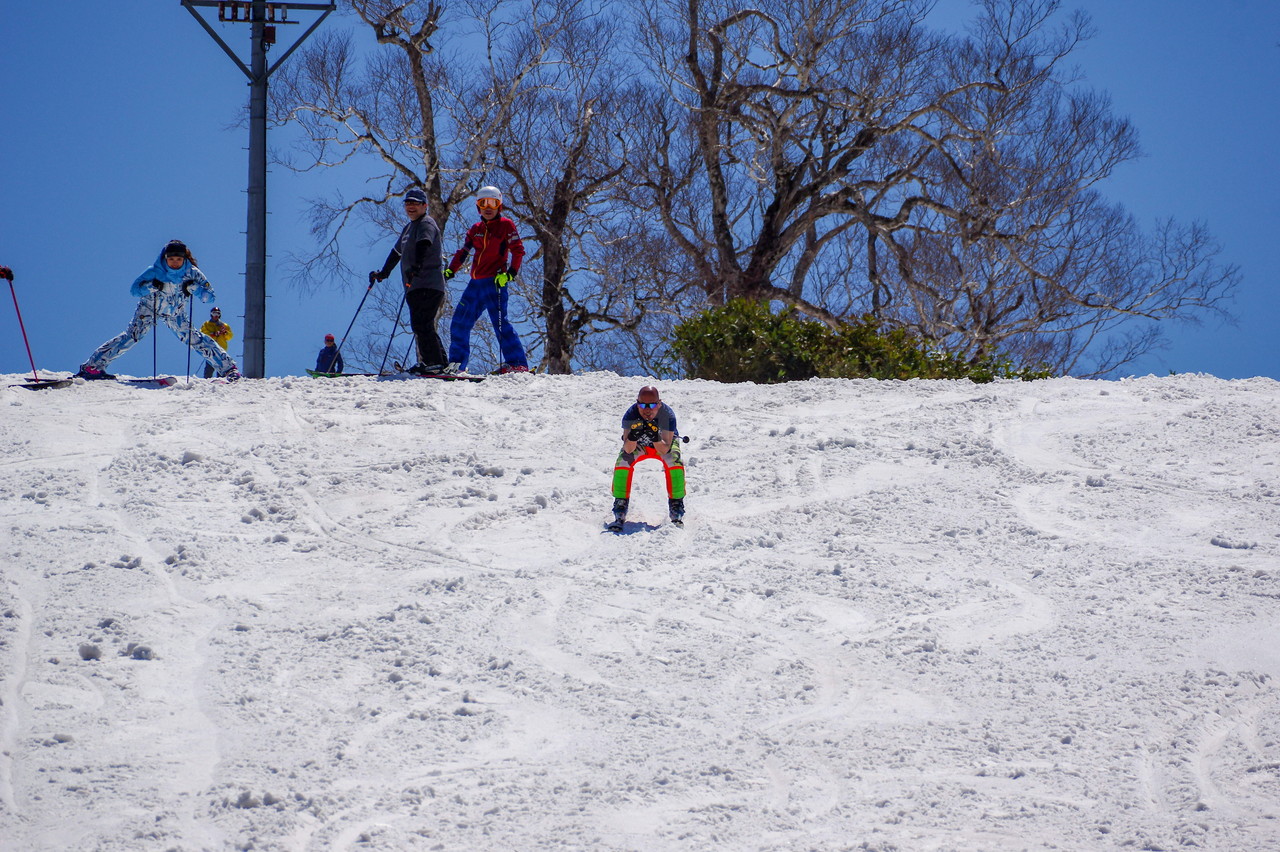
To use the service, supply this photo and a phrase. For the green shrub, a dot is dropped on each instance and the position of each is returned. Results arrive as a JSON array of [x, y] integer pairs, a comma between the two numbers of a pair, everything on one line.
[[744, 341]]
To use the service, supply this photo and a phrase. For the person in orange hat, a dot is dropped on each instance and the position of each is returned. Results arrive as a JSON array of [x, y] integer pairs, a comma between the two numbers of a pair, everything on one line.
[[648, 432], [330, 359]]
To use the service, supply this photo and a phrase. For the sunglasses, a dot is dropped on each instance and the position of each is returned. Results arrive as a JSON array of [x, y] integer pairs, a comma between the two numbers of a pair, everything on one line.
[[488, 203], [648, 405]]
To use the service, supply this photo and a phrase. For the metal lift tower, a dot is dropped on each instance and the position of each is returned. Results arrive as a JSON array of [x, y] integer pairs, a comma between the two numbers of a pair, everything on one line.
[[262, 17]]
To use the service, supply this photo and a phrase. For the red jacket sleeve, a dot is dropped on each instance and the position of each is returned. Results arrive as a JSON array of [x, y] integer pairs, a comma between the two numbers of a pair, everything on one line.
[[516, 246], [460, 256]]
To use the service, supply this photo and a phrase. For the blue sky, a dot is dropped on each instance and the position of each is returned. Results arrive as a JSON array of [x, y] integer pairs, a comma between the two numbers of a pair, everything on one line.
[[120, 132]]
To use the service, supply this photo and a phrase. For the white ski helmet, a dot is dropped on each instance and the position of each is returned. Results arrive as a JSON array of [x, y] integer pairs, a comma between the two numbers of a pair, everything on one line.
[[489, 192]]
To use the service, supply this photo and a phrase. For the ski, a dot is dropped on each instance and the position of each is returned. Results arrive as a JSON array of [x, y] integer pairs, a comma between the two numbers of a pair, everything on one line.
[[44, 384], [402, 375], [153, 382], [316, 374], [444, 377]]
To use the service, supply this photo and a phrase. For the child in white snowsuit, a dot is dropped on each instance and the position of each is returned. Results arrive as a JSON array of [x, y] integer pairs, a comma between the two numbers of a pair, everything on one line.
[[164, 289]]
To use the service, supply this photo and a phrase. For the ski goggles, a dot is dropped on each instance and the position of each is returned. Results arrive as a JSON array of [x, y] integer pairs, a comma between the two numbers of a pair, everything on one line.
[[488, 203], [648, 405]]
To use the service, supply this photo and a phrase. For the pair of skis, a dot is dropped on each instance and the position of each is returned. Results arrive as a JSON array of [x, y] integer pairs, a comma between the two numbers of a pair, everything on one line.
[[153, 382], [47, 384], [617, 526]]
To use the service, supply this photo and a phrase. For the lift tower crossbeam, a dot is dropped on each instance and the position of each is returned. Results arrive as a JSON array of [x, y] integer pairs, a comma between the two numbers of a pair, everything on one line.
[[261, 15]]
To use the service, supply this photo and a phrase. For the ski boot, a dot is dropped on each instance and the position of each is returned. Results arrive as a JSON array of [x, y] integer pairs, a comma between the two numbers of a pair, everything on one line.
[[619, 514], [92, 373], [676, 509]]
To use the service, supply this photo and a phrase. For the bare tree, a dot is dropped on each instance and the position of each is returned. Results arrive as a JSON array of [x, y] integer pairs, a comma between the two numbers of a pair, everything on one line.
[[767, 115], [1016, 252], [838, 156], [392, 112], [561, 155]]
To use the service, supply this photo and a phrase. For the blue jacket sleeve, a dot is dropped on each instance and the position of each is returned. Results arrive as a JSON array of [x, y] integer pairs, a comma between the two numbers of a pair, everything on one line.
[[203, 289], [142, 284]]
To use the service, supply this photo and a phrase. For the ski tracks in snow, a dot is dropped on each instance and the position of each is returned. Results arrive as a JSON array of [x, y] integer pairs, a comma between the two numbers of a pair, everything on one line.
[[98, 682], [409, 631]]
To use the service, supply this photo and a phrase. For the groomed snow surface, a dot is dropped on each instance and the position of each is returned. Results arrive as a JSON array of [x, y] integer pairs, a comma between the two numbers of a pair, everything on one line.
[[309, 614]]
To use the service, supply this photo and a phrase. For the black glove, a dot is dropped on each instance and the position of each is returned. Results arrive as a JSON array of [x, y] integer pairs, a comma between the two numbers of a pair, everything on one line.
[[448, 273], [6, 273], [188, 288], [157, 285], [644, 434], [375, 276]]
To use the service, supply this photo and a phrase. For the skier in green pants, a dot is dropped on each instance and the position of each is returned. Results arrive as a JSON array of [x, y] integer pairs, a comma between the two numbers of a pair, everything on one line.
[[648, 432]]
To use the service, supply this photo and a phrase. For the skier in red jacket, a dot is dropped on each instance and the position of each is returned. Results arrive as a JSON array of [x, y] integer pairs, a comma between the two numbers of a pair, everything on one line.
[[493, 238]]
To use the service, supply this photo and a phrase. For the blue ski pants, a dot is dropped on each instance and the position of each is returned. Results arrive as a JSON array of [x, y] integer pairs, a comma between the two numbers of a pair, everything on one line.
[[482, 294], [150, 310]]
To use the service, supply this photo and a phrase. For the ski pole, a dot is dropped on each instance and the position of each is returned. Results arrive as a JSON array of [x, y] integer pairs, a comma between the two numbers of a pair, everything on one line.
[[413, 343], [191, 329], [155, 335], [394, 329], [352, 323], [26, 342]]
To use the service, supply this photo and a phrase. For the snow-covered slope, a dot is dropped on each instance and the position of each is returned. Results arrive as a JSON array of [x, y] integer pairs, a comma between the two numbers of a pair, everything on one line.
[[299, 614]]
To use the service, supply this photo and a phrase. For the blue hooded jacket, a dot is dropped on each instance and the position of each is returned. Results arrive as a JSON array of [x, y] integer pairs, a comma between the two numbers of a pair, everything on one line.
[[171, 298]]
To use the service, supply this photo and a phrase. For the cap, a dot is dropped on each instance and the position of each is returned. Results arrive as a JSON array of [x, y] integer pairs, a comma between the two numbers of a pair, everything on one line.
[[175, 248], [216, 310], [328, 337], [417, 195], [648, 393]]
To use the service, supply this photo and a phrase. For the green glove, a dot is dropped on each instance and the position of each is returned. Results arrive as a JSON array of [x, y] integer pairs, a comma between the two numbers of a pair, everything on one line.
[[503, 278], [448, 273]]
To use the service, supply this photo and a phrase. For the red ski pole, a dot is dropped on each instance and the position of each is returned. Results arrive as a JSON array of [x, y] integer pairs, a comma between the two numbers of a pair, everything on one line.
[[35, 376]]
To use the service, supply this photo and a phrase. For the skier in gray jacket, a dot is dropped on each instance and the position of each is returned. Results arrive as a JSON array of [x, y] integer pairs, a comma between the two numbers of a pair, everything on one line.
[[417, 251]]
